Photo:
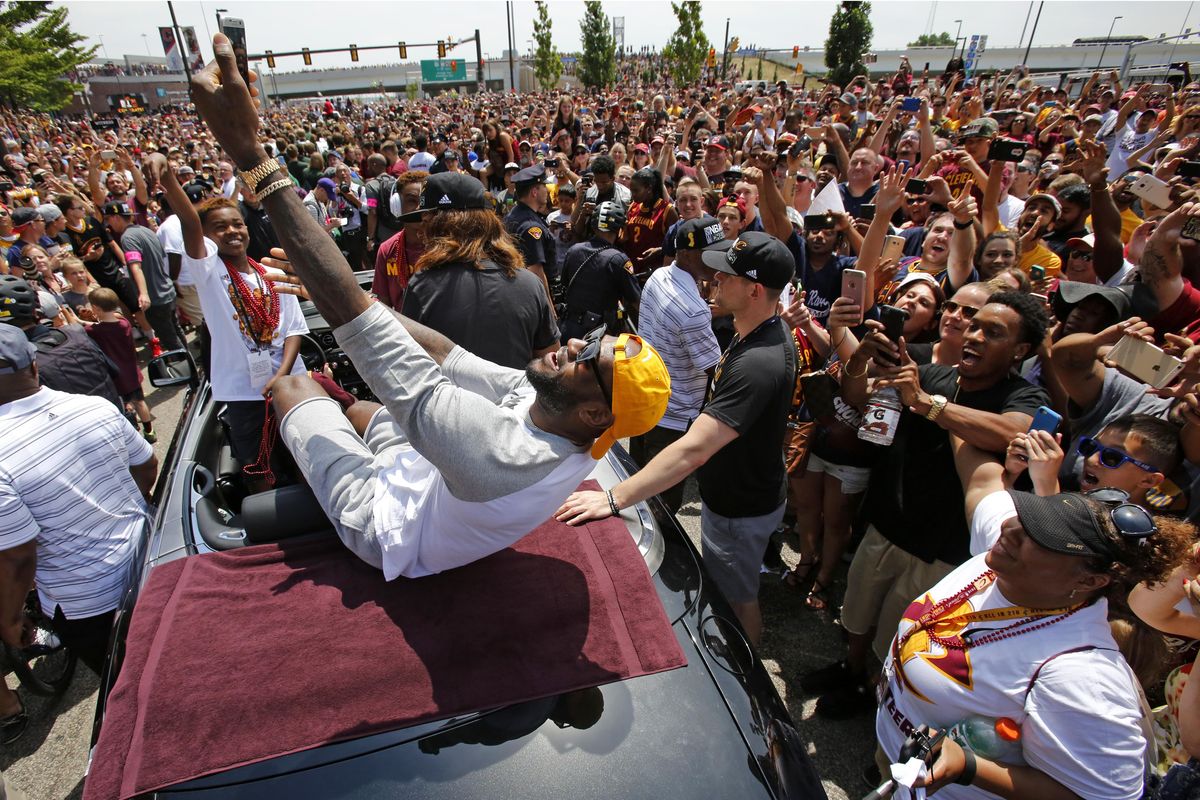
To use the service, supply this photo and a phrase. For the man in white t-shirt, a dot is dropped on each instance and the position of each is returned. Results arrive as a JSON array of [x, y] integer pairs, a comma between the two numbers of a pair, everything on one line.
[[73, 477], [677, 321], [422, 159], [1129, 131]]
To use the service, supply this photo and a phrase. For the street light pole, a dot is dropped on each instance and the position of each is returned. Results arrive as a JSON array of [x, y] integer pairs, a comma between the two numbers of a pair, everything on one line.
[[725, 53], [1104, 49], [146, 42], [1029, 44], [957, 36]]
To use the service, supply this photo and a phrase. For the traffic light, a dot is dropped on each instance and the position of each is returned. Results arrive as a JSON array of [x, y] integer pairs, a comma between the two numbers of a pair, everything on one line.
[[270, 59], [307, 57], [441, 48], [795, 51], [712, 56], [403, 51], [354, 52]]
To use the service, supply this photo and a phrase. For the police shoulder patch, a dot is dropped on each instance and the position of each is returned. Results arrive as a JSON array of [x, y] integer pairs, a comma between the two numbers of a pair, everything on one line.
[[629, 267], [535, 232]]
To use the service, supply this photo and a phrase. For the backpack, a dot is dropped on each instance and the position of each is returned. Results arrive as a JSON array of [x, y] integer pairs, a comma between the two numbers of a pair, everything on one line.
[[69, 361]]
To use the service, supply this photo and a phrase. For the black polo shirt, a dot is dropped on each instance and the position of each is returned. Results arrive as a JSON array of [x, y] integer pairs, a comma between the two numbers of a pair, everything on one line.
[[751, 393], [532, 233]]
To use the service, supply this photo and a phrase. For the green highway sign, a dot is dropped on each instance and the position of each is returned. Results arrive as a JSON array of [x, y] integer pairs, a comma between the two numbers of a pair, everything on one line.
[[443, 69]]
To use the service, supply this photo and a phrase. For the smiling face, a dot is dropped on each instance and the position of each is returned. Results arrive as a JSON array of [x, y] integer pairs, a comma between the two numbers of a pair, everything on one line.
[[935, 251], [1024, 566], [998, 255], [1079, 265], [227, 229], [956, 318]]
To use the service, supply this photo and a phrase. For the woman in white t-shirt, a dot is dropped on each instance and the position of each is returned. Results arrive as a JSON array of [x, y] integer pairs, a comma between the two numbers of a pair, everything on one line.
[[1021, 632], [255, 330]]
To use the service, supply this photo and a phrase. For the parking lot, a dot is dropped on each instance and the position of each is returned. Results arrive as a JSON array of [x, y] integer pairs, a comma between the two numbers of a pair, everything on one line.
[[49, 761]]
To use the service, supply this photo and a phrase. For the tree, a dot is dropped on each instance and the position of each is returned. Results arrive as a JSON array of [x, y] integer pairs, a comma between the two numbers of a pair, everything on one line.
[[943, 39], [597, 62], [849, 38], [688, 46], [547, 63], [39, 50]]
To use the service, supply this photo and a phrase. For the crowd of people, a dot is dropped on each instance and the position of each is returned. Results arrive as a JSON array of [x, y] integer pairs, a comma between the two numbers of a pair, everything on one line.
[[947, 329]]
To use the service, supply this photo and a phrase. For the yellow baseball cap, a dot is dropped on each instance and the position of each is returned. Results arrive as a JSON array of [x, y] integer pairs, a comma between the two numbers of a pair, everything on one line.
[[640, 390]]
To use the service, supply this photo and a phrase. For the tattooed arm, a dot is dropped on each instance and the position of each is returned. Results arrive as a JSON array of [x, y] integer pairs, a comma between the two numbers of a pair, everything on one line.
[[1161, 266]]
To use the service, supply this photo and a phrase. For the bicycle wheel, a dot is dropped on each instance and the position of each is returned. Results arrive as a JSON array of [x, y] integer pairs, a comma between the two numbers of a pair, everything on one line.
[[46, 666]]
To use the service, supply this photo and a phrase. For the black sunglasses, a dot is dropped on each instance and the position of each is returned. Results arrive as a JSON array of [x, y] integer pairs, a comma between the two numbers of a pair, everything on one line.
[[968, 312], [1110, 457], [1133, 521], [1082, 255], [591, 352]]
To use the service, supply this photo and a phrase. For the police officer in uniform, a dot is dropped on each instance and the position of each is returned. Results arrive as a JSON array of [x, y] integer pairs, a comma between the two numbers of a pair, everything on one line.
[[596, 275], [526, 224]]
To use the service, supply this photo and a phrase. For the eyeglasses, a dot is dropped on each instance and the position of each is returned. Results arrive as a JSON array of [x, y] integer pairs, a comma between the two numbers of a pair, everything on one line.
[[591, 352], [968, 312], [1133, 521], [1110, 457]]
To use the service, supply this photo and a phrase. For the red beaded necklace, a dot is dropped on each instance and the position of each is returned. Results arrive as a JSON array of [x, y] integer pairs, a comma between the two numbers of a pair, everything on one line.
[[259, 315], [1027, 623]]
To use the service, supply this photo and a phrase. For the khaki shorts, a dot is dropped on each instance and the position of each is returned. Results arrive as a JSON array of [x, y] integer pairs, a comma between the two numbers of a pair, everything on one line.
[[883, 580], [187, 298]]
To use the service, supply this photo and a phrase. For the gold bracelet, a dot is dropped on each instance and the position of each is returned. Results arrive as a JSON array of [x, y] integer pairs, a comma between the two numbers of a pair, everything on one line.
[[850, 374], [271, 188], [253, 177]]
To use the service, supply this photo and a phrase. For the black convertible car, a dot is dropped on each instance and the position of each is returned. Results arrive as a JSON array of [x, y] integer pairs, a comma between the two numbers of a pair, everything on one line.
[[713, 728]]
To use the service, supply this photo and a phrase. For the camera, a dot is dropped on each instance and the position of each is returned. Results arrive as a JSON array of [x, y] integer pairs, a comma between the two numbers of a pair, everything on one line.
[[344, 188], [552, 163], [1007, 150]]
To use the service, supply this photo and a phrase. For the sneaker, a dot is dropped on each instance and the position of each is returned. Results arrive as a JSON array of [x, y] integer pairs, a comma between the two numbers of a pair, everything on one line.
[[846, 702], [827, 678], [150, 436], [155, 348], [13, 726]]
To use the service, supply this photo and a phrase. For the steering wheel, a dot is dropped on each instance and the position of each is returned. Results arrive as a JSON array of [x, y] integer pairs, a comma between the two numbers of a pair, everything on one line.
[[312, 353]]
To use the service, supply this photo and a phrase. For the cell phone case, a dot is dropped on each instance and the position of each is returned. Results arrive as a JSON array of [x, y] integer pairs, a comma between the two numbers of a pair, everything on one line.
[[1151, 188], [1144, 361], [893, 248]]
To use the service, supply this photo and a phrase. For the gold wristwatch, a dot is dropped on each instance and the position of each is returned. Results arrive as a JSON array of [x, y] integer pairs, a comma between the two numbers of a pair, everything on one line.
[[253, 177], [937, 404]]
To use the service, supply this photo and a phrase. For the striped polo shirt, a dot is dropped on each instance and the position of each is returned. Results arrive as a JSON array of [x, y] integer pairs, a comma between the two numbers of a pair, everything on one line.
[[674, 319], [65, 481]]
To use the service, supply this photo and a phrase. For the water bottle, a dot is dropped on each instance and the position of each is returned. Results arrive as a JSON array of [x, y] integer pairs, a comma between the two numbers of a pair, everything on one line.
[[881, 417], [993, 739]]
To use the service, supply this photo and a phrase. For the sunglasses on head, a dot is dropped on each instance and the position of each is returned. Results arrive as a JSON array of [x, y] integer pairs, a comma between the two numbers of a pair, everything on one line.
[[591, 352], [967, 311], [1133, 521], [1110, 457]]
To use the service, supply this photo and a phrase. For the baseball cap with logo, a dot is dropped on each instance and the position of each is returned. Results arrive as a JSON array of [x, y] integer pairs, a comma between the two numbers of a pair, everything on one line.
[[984, 127], [755, 256], [640, 390], [719, 142], [1064, 523], [116, 208], [702, 233], [448, 191]]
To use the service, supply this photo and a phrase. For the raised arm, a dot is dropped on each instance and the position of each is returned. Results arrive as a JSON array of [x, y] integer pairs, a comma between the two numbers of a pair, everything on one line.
[[1108, 252], [962, 243], [225, 103], [160, 174], [771, 203]]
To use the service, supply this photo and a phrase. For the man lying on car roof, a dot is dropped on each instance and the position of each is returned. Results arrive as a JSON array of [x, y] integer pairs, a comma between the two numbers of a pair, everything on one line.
[[464, 457]]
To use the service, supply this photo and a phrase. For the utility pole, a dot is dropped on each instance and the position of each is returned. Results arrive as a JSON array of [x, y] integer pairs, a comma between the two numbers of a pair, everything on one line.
[[479, 62], [512, 70], [1032, 33], [725, 53]]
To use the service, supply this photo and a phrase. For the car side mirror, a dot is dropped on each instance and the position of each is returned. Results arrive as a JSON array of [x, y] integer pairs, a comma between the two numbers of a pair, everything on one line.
[[171, 369]]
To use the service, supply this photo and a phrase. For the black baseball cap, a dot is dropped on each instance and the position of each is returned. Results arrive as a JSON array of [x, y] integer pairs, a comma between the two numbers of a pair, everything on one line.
[[756, 256], [1064, 523], [447, 191], [23, 216], [702, 233], [530, 175], [116, 208]]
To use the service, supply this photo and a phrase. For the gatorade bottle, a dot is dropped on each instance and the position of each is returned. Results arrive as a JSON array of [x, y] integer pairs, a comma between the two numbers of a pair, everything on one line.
[[993, 739], [881, 417]]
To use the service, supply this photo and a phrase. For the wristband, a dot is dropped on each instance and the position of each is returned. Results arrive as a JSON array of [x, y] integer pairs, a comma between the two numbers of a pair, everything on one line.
[[962, 226], [253, 177], [612, 504], [970, 766]]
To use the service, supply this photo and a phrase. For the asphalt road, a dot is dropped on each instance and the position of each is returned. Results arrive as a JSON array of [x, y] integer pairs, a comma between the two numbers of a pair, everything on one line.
[[49, 760]]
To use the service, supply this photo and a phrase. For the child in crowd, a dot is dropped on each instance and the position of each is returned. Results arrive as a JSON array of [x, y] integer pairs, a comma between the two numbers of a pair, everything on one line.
[[80, 284], [114, 334]]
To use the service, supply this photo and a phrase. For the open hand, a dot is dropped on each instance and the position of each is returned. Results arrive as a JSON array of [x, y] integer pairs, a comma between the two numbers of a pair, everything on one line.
[[581, 507], [285, 279]]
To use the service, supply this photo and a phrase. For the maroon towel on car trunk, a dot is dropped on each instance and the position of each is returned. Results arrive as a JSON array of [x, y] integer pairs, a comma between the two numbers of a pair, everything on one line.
[[238, 657]]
